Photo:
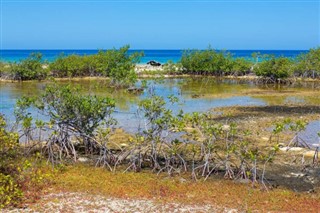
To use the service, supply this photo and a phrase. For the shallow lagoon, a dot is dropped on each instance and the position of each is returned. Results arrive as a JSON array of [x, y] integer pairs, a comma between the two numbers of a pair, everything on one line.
[[199, 94]]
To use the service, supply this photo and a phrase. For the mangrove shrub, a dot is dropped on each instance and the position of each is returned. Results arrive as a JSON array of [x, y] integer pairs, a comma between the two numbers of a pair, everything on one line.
[[117, 64], [211, 62], [73, 115], [29, 69], [308, 65], [274, 68]]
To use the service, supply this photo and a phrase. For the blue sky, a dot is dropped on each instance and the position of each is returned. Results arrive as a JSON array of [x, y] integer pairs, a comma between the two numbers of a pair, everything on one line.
[[160, 24]]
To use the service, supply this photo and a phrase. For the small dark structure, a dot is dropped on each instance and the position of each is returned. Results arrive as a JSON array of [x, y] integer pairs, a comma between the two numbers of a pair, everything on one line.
[[135, 89], [154, 63]]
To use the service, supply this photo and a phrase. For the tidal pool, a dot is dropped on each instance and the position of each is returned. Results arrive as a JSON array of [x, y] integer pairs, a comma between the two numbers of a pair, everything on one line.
[[199, 94]]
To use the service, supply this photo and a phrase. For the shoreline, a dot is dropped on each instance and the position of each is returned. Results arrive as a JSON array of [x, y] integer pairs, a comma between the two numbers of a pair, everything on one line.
[[250, 78], [148, 71]]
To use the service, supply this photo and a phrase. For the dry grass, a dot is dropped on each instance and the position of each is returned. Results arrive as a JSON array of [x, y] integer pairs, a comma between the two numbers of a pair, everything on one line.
[[98, 181]]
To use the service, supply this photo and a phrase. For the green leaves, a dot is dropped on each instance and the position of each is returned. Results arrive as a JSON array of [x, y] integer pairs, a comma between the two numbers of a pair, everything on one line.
[[29, 69], [211, 62], [117, 64], [308, 64], [275, 68], [67, 105]]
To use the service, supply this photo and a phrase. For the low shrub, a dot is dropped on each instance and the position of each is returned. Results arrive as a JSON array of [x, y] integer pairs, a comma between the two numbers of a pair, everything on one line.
[[211, 62], [20, 174], [274, 68], [29, 69], [308, 65], [117, 64]]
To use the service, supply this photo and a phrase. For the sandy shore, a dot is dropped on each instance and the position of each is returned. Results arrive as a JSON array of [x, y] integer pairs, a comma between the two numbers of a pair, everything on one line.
[[145, 67], [80, 202]]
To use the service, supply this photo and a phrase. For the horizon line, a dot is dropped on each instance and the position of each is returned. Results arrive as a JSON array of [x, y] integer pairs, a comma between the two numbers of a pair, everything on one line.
[[4, 49]]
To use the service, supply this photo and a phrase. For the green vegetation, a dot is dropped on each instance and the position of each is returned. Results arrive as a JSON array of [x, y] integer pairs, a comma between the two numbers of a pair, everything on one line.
[[17, 173], [29, 69], [308, 65], [195, 146], [83, 124], [116, 64], [211, 62], [72, 115], [275, 68], [119, 66], [10, 192]]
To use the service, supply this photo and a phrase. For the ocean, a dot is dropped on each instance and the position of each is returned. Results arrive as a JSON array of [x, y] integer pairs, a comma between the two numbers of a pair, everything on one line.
[[161, 56]]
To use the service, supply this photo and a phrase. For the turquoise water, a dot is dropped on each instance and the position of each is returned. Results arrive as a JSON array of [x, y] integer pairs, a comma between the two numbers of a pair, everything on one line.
[[158, 55], [127, 104], [200, 94]]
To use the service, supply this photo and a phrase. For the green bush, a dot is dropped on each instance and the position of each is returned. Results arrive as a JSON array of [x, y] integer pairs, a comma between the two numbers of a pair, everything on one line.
[[29, 69], [275, 68], [308, 65], [117, 64], [205, 62], [10, 192], [211, 62], [68, 66], [73, 114], [22, 175], [4, 69], [240, 66]]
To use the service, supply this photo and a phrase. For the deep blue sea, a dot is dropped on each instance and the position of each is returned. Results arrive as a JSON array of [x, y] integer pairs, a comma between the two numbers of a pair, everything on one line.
[[157, 55]]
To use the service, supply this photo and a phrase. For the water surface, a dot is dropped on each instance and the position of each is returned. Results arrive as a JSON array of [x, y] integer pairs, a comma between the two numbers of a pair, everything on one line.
[[200, 94]]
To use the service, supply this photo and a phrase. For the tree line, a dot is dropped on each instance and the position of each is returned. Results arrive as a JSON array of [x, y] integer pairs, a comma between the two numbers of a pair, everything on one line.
[[119, 65]]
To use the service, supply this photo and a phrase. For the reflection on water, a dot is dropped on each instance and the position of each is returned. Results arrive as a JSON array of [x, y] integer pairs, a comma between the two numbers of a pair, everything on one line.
[[310, 134], [200, 94]]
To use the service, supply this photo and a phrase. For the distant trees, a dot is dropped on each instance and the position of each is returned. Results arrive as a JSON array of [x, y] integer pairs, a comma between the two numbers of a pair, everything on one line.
[[211, 62], [206, 62], [308, 65], [29, 69], [118, 65], [275, 68]]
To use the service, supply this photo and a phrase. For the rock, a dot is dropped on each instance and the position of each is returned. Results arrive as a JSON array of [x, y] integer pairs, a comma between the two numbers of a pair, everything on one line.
[[309, 154], [297, 174], [226, 127], [293, 149], [135, 89], [182, 180], [195, 96], [123, 145], [265, 138], [83, 159], [154, 63]]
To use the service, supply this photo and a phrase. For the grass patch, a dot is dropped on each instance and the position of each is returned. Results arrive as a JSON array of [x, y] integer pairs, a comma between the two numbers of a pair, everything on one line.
[[146, 185]]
